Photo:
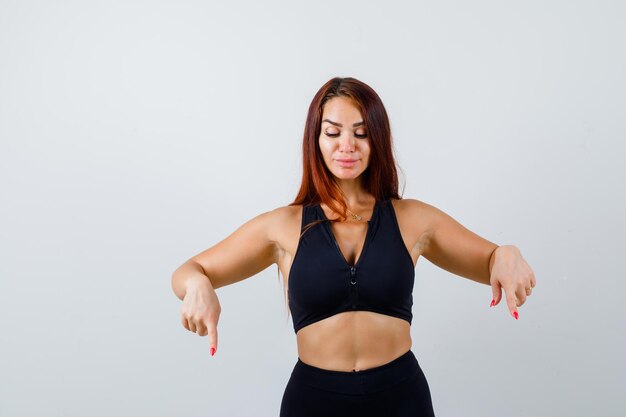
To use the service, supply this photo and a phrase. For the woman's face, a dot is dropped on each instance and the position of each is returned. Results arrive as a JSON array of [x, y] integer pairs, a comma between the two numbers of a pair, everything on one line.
[[344, 140]]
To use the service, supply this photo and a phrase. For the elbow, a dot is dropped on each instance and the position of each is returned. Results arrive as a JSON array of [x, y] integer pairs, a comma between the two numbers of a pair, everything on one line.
[[177, 284]]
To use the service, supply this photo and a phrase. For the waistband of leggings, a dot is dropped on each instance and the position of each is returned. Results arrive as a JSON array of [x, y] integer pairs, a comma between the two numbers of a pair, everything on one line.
[[366, 381]]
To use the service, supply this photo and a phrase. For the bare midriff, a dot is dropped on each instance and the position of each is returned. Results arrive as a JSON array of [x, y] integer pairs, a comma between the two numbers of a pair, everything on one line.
[[353, 341]]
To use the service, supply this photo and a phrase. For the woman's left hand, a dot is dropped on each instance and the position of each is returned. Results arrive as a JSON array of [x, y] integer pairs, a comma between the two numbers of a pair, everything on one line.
[[511, 273]]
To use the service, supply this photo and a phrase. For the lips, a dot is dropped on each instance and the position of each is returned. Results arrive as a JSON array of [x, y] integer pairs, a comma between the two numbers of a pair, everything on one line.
[[346, 163]]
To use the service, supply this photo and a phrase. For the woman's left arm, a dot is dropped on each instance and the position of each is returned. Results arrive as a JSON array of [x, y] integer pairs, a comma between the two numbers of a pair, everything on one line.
[[451, 246]]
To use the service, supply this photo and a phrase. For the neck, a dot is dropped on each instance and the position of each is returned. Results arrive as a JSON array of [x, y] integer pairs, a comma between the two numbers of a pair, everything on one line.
[[353, 192]]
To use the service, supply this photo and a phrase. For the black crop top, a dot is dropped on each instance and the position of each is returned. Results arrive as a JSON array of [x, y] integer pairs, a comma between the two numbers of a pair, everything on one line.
[[321, 283]]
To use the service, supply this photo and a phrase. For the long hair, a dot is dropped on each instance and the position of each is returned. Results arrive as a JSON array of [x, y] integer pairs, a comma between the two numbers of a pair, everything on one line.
[[380, 178]]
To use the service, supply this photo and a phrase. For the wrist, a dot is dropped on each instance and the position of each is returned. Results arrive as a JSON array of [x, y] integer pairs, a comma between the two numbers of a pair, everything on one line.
[[492, 258], [502, 250], [196, 280], [506, 249]]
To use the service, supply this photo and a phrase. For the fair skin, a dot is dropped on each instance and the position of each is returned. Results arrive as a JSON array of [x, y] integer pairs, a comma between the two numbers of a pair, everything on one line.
[[352, 340]]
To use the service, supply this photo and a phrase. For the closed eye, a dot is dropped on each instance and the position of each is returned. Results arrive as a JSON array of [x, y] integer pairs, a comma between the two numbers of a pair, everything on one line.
[[334, 135]]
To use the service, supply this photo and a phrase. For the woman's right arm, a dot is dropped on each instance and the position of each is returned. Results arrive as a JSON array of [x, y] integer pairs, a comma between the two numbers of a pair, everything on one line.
[[244, 253], [247, 251]]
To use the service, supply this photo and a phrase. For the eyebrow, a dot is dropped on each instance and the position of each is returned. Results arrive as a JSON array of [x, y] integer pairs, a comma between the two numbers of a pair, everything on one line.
[[340, 125]]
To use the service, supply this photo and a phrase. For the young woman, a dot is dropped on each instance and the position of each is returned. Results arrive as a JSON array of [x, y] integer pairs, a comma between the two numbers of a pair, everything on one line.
[[347, 247]]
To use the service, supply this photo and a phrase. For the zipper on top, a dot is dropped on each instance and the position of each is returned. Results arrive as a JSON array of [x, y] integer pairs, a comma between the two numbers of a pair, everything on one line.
[[365, 243]]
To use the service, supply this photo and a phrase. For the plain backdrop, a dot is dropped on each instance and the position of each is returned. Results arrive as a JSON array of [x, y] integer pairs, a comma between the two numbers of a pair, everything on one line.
[[136, 134]]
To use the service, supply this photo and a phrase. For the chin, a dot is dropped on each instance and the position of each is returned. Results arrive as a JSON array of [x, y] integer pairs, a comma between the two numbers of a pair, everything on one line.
[[350, 176]]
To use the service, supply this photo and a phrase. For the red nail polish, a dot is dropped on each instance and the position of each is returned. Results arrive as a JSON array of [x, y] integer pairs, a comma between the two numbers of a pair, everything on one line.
[[493, 301], [212, 351], [516, 315]]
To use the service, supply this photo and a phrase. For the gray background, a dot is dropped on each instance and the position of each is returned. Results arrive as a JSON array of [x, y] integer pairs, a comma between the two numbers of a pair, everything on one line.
[[137, 134]]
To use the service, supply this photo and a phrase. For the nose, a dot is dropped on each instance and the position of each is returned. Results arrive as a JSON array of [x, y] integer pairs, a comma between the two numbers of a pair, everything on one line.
[[346, 143]]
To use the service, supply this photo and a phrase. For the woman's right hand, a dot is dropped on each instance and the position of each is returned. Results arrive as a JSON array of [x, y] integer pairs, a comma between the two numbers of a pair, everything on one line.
[[201, 309]]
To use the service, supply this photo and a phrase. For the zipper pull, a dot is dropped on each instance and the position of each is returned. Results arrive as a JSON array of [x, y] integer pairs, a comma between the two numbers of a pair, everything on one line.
[[353, 288]]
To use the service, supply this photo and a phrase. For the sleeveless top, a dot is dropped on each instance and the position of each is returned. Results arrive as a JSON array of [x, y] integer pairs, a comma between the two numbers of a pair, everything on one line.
[[321, 283]]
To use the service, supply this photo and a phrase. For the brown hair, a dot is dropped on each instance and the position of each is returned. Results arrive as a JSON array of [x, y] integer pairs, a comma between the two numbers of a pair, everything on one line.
[[380, 178]]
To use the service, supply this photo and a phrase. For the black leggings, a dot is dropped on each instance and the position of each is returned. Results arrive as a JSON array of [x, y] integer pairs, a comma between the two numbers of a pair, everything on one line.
[[395, 389]]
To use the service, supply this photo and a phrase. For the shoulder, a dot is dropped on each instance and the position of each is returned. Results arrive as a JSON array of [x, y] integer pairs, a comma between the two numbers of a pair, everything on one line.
[[410, 207], [281, 220], [415, 215], [275, 219], [285, 213], [426, 218]]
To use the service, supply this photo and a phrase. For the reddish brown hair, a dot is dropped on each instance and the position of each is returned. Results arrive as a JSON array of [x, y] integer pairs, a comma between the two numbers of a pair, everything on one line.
[[380, 178]]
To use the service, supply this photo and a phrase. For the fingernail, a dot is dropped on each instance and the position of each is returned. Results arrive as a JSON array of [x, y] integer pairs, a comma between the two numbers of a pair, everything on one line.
[[516, 315], [493, 301], [212, 351]]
